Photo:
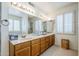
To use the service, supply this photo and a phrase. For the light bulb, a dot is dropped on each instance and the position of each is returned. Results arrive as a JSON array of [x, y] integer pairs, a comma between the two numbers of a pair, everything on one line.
[[19, 4], [24, 6], [14, 3]]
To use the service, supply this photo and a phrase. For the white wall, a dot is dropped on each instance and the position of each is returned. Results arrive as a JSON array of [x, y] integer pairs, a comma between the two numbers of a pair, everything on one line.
[[4, 31], [72, 38]]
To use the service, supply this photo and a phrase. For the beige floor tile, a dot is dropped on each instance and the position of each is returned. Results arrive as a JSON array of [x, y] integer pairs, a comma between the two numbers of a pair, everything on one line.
[[57, 51]]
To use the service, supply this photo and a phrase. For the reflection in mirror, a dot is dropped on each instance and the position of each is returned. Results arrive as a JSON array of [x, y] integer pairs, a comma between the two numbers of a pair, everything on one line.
[[50, 26], [18, 23], [22, 24], [45, 26], [35, 25]]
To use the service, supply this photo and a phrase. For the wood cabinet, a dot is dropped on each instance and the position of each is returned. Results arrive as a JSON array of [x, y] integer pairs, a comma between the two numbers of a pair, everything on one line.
[[65, 43], [52, 40], [43, 44], [23, 52], [22, 49], [35, 47], [35, 50], [22, 45], [32, 47], [47, 42]]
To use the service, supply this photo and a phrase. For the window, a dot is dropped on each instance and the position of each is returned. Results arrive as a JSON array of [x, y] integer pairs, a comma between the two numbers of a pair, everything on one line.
[[10, 25], [38, 26], [59, 24], [17, 24], [14, 23], [68, 23], [64, 23], [24, 25]]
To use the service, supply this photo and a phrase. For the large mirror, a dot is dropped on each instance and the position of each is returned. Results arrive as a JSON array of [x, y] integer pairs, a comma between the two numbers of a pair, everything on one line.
[[18, 22], [22, 24]]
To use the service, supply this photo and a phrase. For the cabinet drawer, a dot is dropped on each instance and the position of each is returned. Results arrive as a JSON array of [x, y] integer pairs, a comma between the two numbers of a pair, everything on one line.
[[23, 52], [22, 45], [36, 41]]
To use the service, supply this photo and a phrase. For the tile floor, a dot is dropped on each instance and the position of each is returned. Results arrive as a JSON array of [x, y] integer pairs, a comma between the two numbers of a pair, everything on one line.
[[57, 51]]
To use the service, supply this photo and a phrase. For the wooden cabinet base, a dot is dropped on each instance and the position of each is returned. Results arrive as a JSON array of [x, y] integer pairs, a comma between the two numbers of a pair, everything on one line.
[[32, 48]]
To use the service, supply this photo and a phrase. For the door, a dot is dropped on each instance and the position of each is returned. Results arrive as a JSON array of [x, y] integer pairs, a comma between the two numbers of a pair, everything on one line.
[[43, 44], [43, 47], [35, 49], [47, 41], [52, 40]]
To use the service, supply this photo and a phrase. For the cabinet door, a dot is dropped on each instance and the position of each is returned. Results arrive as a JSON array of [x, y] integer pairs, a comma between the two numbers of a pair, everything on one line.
[[43, 46], [47, 42], [35, 50], [52, 40], [23, 52]]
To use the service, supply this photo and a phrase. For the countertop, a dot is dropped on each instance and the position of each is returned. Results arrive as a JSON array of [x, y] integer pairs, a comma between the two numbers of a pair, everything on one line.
[[28, 38]]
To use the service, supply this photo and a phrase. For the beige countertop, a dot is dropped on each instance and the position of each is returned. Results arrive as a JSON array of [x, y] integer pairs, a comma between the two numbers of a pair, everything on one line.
[[28, 38]]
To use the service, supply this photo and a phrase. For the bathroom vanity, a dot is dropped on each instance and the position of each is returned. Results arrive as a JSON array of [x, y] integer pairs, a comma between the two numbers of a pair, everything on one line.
[[31, 46]]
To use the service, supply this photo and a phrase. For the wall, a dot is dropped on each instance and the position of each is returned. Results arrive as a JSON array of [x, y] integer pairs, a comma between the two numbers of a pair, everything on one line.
[[4, 31], [72, 38], [78, 28], [0, 29]]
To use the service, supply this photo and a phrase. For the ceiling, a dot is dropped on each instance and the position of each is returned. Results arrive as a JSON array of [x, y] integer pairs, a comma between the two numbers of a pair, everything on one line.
[[49, 7]]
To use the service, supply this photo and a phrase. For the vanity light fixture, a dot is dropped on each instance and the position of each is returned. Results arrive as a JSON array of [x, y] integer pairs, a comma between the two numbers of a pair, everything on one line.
[[23, 7], [27, 9], [15, 3]]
